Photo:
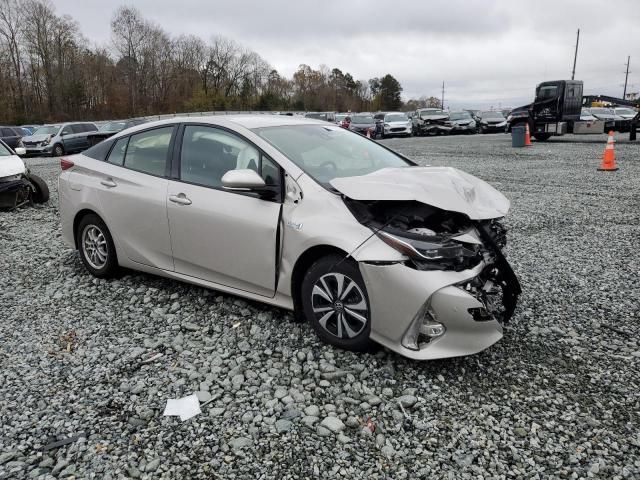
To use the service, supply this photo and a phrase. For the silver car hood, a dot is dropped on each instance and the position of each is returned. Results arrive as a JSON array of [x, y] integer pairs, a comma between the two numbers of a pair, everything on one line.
[[36, 138], [442, 187]]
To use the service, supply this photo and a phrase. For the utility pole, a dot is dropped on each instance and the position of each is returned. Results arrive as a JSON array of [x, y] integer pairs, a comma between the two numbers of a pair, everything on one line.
[[575, 56], [626, 77], [442, 95]]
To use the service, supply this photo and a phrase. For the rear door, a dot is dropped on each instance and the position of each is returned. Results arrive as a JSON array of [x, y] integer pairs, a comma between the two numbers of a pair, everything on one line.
[[224, 237], [132, 189]]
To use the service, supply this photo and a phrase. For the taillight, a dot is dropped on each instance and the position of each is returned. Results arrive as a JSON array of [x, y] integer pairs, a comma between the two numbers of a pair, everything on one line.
[[65, 164]]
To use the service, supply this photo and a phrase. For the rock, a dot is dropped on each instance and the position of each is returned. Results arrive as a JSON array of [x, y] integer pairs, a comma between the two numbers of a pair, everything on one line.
[[333, 424], [240, 442], [216, 411], [7, 456], [309, 420], [244, 346], [203, 396], [283, 425], [153, 465], [312, 411], [407, 401], [520, 432], [191, 327], [323, 432]]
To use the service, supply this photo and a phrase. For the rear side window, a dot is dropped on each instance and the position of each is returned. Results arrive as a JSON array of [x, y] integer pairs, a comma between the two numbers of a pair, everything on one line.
[[147, 151], [117, 153], [88, 127], [99, 151]]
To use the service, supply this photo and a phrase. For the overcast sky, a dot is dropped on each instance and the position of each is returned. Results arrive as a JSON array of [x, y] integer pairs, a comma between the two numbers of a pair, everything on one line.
[[489, 52]]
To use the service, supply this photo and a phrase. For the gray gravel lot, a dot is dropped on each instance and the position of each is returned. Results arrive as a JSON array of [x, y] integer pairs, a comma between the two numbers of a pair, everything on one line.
[[558, 397]]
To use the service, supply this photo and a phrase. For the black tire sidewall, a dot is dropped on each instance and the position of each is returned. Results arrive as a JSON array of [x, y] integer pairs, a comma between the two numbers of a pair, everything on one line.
[[57, 148], [335, 264], [41, 194], [111, 267]]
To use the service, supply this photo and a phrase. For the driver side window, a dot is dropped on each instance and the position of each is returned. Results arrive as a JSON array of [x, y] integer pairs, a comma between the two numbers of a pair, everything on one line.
[[66, 130], [208, 153]]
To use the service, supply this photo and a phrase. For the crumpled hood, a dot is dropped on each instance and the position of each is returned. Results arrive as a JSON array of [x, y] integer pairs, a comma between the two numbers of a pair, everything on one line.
[[35, 138], [442, 187], [11, 165]]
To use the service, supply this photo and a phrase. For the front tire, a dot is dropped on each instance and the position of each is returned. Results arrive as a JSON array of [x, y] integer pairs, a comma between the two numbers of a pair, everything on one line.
[[57, 151], [41, 189], [96, 247], [335, 302], [541, 137]]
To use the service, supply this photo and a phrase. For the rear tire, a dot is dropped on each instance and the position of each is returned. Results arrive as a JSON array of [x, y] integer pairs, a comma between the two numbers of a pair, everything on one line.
[[335, 303], [41, 193], [96, 247]]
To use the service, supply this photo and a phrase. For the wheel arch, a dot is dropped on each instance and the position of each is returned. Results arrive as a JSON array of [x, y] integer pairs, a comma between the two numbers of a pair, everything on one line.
[[302, 265], [78, 218]]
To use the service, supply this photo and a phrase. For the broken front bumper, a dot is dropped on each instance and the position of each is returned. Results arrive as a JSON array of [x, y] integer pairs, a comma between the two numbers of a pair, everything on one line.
[[401, 296], [14, 193]]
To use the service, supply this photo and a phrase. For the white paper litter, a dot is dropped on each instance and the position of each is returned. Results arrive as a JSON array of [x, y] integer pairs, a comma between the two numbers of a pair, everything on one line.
[[185, 407]]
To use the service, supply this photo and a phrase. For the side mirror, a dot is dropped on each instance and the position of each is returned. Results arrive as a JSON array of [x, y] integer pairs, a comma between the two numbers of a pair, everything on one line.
[[243, 180], [63, 133], [21, 151]]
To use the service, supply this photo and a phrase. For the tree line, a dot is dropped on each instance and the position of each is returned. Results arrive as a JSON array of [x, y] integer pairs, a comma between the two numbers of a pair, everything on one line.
[[51, 73]]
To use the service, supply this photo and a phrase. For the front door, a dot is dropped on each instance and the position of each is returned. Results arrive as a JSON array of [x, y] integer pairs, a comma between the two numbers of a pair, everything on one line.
[[220, 236]]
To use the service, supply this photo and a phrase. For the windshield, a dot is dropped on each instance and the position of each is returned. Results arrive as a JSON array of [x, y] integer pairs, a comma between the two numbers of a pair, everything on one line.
[[112, 127], [601, 111], [362, 119], [585, 111], [625, 111], [4, 151], [460, 116], [47, 130], [492, 115], [396, 117], [329, 152]]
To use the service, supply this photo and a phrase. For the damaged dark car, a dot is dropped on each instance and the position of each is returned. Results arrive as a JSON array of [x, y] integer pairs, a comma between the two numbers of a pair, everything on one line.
[[18, 186]]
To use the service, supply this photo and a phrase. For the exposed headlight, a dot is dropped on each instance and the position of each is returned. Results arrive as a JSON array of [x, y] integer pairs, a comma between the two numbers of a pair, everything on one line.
[[430, 255], [386, 125]]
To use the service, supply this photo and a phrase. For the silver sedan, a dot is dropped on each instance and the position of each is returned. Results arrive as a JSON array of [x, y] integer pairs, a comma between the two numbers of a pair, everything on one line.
[[304, 215]]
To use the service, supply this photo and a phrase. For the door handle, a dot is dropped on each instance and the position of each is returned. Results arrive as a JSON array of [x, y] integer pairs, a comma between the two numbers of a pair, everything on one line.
[[180, 199], [109, 183]]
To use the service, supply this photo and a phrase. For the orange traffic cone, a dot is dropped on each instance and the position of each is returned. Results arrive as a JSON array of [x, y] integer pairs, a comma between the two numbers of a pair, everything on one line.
[[609, 158], [527, 136]]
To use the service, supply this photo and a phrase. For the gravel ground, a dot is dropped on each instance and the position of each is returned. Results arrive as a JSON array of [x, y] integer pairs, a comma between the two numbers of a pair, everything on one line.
[[558, 397]]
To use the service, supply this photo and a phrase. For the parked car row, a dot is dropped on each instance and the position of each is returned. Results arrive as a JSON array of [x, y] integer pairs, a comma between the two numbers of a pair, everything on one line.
[[59, 139]]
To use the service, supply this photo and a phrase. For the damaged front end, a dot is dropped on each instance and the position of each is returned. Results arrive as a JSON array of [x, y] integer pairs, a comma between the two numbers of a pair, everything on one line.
[[15, 191], [434, 239]]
